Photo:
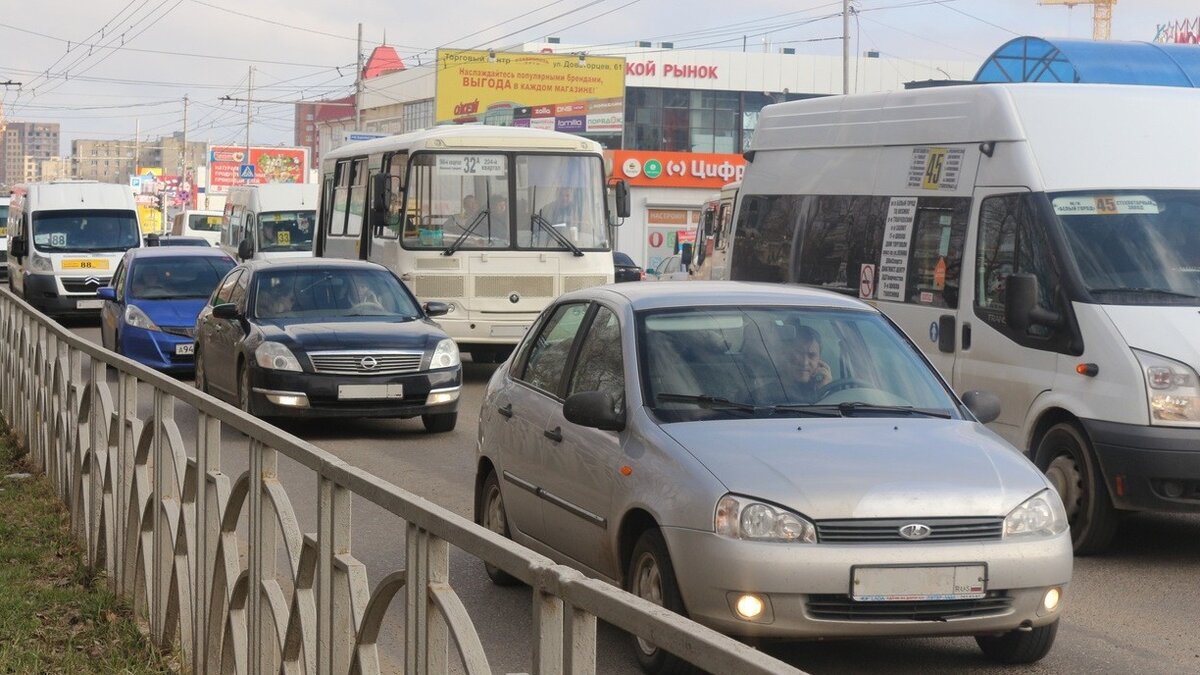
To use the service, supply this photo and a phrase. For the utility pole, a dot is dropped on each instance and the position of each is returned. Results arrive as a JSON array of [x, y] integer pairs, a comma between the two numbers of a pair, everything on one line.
[[137, 137], [845, 46], [184, 152], [249, 96], [358, 75]]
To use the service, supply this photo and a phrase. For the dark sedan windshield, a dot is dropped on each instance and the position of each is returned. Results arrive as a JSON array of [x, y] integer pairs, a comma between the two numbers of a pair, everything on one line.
[[331, 293], [163, 278], [714, 361]]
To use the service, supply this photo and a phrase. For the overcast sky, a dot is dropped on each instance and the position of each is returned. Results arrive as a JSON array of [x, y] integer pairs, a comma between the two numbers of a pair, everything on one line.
[[203, 48]]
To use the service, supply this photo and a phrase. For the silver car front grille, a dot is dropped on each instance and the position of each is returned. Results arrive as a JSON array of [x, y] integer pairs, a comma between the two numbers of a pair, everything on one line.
[[843, 608], [366, 363], [887, 530]]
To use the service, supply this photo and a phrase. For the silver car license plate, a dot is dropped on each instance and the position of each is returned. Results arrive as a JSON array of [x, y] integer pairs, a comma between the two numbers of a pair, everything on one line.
[[907, 584], [369, 391], [185, 348]]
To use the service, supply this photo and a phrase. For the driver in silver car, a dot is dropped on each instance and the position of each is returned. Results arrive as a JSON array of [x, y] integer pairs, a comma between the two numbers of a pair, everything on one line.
[[805, 372]]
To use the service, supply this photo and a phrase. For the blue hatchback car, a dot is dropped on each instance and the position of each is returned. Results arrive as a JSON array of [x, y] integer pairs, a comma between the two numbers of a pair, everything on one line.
[[150, 309]]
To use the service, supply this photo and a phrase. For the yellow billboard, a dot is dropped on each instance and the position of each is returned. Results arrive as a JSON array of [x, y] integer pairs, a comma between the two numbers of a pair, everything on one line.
[[562, 92]]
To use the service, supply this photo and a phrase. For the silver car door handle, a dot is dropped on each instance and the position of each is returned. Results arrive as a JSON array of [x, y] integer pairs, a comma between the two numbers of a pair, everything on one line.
[[554, 434]]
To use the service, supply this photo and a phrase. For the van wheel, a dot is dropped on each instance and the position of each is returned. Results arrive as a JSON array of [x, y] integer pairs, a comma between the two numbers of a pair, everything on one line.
[[651, 577], [1066, 456], [1017, 646]]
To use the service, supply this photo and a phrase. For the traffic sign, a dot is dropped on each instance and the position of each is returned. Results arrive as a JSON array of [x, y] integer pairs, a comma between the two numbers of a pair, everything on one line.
[[246, 172], [866, 281]]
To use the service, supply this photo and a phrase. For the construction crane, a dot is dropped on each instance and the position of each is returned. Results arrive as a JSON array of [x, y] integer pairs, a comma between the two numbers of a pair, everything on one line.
[[1101, 14]]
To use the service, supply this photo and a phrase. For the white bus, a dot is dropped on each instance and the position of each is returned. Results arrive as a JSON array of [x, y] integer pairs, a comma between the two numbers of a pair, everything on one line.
[[1038, 241], [494, 221]]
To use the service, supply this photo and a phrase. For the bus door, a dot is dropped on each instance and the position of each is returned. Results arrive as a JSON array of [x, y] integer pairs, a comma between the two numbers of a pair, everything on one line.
[[386, 228]]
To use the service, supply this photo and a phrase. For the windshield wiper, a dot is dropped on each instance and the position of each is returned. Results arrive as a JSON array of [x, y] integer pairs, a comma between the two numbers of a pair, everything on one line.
[[539, 220], [479, 217], [808, 409], [711, 402], [848, 408], [1160, 291]]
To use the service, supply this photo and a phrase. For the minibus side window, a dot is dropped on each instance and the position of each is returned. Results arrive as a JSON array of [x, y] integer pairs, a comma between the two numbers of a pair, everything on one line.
[[836, 238], [1010, 242], [937, 250], [765, 231]]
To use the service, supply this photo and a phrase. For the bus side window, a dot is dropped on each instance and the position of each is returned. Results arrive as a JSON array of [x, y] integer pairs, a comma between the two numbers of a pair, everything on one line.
[[765, 232], [837, 235], [1010, 242], [936, 251]]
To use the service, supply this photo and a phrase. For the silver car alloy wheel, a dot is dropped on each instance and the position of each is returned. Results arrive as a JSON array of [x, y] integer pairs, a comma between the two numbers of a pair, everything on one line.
[[496, 519], [647, 585]]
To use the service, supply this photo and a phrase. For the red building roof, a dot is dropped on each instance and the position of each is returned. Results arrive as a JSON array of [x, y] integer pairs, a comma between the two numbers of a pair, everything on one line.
[[383, 60]]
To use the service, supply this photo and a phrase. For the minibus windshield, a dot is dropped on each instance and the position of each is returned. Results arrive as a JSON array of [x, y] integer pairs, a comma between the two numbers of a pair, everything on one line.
[[1134, 247], [85, 231]]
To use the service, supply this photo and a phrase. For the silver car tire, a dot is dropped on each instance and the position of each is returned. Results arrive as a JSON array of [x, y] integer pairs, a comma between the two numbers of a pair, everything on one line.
[[201, 378], [1065, 456], [652, 578], [490, 513], [1016, 647]]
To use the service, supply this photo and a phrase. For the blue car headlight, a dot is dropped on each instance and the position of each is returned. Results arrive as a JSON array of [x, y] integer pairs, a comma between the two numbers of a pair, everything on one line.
[[138, 319]]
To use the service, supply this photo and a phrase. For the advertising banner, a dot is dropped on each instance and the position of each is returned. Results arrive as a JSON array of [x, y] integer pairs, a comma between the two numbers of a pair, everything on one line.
[[530, 90], [648, 168], [271, 165]]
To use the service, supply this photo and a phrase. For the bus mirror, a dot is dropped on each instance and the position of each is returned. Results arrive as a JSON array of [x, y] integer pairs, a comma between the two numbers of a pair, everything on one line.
[[1020, 304], [685, 256], [245, 250], [622, 193], [380, 193], [18, 247]]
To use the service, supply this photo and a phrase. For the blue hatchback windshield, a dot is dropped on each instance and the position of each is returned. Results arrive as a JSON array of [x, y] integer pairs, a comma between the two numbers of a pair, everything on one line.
[[171, 278], [331, 293], [780, 356], [85, 230]]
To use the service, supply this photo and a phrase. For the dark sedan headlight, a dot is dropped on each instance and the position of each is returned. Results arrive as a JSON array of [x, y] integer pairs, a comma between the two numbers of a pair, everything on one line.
[[1040, 515], [445, 355], [743, 518], [275, 356]]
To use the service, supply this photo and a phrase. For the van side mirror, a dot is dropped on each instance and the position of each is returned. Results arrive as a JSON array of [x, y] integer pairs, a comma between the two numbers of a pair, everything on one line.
[[18, 247], [685, 256], [984, 405], [380, 192], [1020, 304], [245, 250], [593, 409]]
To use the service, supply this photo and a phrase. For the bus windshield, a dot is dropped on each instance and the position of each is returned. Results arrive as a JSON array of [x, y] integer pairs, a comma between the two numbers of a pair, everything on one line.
[[286, 231], [461, 201], [85, 230], [1134, 247]]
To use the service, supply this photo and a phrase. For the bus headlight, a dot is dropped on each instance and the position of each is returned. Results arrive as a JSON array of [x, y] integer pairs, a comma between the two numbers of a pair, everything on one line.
[[1172, 390]]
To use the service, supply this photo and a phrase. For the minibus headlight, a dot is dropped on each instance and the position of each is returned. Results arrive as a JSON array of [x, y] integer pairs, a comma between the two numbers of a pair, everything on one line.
[[39, 264], [1040, 515], [742, 518], [1172, 389]]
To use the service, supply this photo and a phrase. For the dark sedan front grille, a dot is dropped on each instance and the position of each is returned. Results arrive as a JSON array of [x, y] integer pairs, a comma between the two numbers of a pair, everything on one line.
[[843, 608], [84, 284], [185, 331], [887, 530], [366, 363]]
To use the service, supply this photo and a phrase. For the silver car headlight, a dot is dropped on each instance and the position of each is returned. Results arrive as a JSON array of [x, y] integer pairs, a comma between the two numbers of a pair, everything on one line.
[[1042, 515], [1172, 389], [276, 357], [445, 355], [743, 518]]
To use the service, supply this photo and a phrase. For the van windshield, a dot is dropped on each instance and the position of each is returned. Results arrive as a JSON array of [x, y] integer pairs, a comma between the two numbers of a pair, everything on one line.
[[198, 222], [1134, 247], [286, 231], [85, 230]]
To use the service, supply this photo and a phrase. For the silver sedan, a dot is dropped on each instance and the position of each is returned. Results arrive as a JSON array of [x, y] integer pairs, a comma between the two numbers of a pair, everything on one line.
[[772, 462]]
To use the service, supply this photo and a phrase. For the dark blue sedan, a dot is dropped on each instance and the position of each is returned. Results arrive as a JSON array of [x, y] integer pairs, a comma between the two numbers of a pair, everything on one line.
[[150, 308], [326, 338]]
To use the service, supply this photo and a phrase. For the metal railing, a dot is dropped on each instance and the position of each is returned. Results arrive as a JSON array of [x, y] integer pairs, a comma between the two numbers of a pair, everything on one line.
[[168, 528]]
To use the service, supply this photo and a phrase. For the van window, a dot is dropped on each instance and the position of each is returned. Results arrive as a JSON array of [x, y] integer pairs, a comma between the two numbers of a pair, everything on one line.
[[765, 229], [839, 235], [1010, 242], [937, 248]]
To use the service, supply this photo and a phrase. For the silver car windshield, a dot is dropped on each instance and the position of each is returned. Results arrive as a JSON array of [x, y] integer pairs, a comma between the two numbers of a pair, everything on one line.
[[698, 363]]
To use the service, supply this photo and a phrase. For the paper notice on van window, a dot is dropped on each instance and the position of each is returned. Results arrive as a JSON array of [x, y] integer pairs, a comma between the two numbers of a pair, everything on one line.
[[471, 165], [935, 168], [1104, 205], [893, 258]]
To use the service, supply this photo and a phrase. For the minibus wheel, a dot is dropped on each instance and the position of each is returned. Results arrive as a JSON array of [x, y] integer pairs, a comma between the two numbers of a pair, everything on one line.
[[1066, 457]]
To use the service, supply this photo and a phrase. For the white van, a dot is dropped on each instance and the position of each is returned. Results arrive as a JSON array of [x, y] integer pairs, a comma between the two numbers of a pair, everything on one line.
[[66, 239], [204, 224], [4, 201], [272, 220], [1038, 241]]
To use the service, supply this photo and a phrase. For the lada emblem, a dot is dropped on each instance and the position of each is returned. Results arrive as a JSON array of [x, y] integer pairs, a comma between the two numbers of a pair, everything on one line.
[[368, 363], [915, 531]]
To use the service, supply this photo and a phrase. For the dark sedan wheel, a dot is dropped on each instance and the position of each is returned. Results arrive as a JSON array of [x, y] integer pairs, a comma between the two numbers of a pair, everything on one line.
[[651, 577], [439, 423], [490, 513]]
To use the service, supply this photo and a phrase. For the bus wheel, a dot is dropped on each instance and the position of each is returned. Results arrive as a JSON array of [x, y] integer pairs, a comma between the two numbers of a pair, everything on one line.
[[1065, 455]]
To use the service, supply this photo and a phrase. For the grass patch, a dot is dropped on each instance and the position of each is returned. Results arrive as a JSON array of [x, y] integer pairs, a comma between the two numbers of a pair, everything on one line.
[[55, 615]]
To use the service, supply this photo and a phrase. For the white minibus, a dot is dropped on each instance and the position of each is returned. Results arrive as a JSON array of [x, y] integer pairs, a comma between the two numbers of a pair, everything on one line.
[[204, 224], [270, 220], [1038, 241], [66, 238]]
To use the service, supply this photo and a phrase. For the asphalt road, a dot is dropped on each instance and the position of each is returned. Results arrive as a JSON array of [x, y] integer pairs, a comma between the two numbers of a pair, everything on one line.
[[1135, 609]]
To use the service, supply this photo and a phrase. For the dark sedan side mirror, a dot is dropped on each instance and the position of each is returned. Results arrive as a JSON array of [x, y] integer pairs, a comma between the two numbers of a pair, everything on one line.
[[435, 308], [107, 293], [245, 250], [984, 405], [593, 409], [227, 310]]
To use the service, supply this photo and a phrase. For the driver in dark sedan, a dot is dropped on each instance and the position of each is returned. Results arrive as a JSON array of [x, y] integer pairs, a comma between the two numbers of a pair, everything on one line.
[[275, 301]]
